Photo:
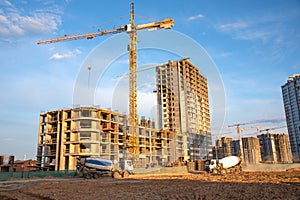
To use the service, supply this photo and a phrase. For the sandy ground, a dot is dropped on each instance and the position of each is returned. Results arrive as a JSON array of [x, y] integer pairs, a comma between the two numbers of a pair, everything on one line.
[[247, 185]]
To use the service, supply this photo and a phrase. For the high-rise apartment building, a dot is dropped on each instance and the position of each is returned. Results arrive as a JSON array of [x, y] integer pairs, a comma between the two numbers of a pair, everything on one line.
[[291, 100], [183, 107]]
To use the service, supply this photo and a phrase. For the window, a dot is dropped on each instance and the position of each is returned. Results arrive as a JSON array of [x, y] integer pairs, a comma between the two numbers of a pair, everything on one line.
[[85, 136], [85, 124], [85, 113]]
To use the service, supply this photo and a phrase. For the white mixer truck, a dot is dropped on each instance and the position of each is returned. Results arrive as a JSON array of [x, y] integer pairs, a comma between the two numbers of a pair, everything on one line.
[[95, 167], [227, 165]]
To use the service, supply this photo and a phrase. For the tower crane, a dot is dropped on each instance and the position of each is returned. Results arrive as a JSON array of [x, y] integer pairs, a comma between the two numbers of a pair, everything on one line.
[[238, 129], [131, 29], [274, 128]]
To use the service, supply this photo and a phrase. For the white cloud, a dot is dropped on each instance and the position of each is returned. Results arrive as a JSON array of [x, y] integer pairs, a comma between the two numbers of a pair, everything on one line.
[[3, 20], [223, 54], [59, 56], [8, 139], [14, 23], [124, 61], [77, 51], [194, 17], [39, 23], [270, 120], [7, 3], [232, 26], [263, 35]]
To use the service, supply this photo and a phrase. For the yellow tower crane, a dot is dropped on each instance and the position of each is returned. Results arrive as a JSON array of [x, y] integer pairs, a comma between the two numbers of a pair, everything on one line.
[[131, 29]]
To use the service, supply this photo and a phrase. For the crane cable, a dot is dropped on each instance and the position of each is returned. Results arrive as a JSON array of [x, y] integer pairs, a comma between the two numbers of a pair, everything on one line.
[[112, 20], [103, 23], [109, 21]]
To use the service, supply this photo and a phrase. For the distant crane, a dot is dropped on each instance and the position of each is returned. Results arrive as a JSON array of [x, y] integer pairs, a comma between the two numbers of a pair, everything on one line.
[[274, 128], [238, 129], [131, 29], [138, 70], [219, 135], [258, 128]]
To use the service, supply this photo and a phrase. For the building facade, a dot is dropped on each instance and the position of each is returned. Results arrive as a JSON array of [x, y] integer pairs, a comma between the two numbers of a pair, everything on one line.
[[235, 147], [24, 165], [224, 147], [183, 107], [291, 100], [66, 134], [275, 148], [251, 150]]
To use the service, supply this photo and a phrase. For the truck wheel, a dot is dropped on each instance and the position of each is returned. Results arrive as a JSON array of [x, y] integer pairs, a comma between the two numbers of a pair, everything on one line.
[[116, 175], [215, 171], [240, 169], [88, 176], [223, 171], [96, 176], [125, 174]]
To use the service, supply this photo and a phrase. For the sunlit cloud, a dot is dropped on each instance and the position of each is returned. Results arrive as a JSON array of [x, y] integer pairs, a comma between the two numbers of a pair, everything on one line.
[[194, 17], [270, 120], [232, 26], [69, 54], [14, 23]]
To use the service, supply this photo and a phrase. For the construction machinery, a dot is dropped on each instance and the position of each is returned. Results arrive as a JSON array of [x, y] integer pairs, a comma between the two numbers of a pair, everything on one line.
[[96, 167], [227, 165], [131, 29]]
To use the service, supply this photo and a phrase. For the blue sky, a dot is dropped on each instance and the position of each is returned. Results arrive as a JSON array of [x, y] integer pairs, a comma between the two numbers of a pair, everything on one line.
[[254, 45]]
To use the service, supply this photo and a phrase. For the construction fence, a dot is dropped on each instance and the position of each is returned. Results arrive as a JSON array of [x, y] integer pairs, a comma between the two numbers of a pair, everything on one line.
[[4, 176]]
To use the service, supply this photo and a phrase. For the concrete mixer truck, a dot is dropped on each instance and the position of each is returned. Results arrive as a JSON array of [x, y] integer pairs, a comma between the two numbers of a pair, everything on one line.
[[96, 167], [227, 165]]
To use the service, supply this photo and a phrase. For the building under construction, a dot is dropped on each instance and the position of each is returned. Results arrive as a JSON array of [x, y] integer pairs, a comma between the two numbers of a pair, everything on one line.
[[268, 148], [226, 146], [275, 148], [183, 107], [67, 134], [251, 150], [183, 134]]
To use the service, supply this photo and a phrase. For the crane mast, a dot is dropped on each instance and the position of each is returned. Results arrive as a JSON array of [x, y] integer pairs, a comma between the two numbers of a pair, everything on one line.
[[133, 117], [238, 130], [131, 29]]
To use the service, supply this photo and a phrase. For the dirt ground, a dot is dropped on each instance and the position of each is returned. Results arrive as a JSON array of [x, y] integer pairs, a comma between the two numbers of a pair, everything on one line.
[[247, 185]]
